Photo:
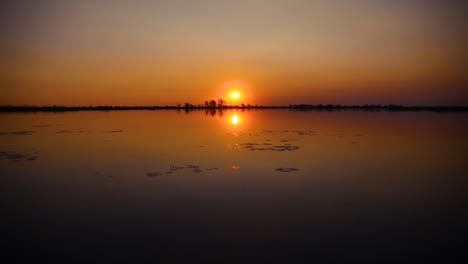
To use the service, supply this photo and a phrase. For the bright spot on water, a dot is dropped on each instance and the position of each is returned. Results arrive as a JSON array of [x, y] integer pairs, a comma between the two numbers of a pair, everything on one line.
[[235, 119]]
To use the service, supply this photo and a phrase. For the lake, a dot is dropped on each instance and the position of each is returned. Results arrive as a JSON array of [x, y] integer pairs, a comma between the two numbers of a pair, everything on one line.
[[271, 184]]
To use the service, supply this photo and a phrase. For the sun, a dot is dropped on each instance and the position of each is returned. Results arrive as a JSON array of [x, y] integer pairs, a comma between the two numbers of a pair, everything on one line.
[[235, 95], [235, 92]]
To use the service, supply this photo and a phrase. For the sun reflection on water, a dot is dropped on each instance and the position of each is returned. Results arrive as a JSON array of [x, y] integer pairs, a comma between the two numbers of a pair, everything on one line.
[[234, 119]]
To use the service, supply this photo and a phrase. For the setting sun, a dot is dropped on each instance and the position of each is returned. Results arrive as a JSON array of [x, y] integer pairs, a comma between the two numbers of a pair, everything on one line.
[[235, 91]]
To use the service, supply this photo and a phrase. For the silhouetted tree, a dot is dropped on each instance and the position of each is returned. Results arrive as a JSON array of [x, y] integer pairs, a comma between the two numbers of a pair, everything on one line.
[[221, 102], [213, 103]]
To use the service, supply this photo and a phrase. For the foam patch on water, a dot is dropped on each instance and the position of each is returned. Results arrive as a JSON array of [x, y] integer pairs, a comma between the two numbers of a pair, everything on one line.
[[153, 174], [175, 168], [64, 131], [15, 156], [286, 169], [18, 133], [267, 147]]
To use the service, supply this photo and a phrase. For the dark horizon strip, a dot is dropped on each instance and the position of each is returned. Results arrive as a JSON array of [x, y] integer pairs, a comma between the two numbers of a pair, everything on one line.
[[188, 108]]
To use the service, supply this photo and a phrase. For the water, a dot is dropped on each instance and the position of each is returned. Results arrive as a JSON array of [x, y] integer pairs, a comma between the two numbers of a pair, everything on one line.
[[133, 185]]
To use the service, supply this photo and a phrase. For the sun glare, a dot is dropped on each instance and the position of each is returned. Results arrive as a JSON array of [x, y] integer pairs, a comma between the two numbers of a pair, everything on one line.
[[235, 95], [235, 92]]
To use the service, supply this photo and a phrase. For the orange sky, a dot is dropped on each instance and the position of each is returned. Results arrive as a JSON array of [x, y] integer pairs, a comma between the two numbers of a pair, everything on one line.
[[170, 52]]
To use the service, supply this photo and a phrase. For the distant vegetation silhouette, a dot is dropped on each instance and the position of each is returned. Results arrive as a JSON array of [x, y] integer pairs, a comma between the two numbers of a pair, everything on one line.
[[220, 104]]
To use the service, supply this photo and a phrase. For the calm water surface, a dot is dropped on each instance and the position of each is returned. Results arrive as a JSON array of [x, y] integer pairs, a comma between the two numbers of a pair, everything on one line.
[[144, 184]]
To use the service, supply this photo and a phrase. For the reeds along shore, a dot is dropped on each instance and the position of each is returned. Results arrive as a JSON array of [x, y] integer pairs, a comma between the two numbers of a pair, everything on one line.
[[190, 107]]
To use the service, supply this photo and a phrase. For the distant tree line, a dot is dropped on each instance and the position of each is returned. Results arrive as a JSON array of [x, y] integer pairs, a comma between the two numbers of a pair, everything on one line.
[[221, 104], [208, 104]]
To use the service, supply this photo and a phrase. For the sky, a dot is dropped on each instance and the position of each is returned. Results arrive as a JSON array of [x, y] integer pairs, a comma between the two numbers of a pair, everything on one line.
[[273, 52]]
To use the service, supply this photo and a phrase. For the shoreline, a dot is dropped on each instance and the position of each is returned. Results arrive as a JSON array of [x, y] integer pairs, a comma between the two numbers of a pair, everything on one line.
[[299, 107]]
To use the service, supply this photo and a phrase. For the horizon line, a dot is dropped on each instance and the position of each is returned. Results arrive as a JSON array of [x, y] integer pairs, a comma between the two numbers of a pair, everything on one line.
[[190, 107]]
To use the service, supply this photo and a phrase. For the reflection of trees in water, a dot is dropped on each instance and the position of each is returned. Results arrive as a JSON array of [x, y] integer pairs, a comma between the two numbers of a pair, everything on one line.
[[213, 111]]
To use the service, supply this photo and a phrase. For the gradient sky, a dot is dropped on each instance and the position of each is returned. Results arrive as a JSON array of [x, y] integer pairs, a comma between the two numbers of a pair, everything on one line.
[[123, 52]]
